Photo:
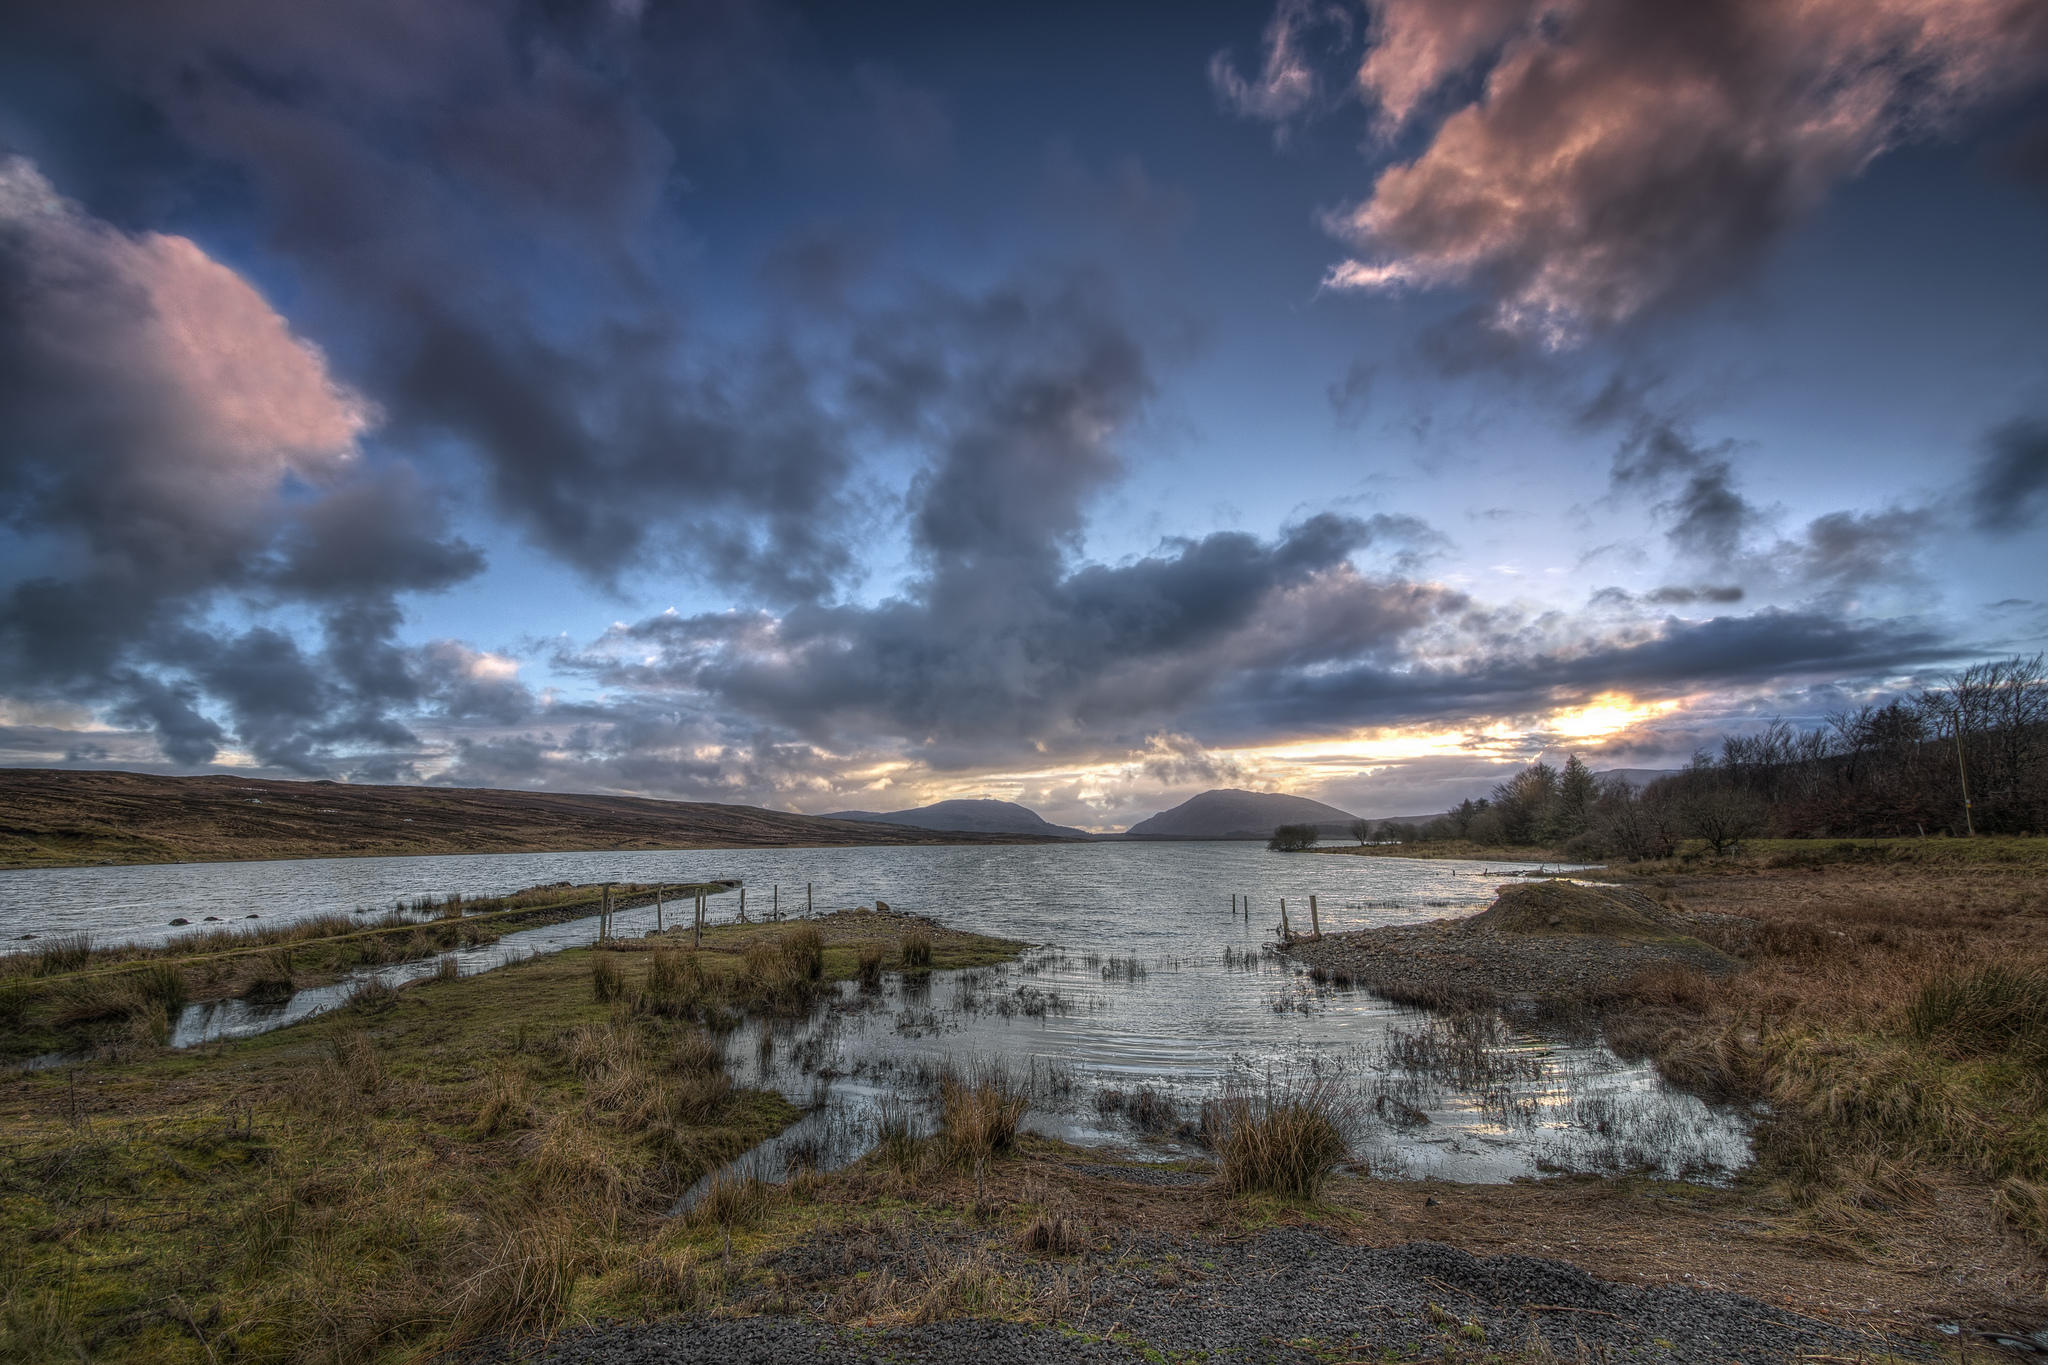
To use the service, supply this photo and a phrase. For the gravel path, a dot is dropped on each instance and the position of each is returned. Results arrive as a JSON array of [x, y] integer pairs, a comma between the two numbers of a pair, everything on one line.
[[1285, 1295]]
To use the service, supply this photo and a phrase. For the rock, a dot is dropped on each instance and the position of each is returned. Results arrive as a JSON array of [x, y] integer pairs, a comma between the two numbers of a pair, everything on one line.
[[881, 906], [179, 922]]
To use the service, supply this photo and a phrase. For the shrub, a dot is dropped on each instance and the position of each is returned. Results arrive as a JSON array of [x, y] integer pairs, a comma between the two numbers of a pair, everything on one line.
[[915, 950], [1282, 1140], [1294, 838]]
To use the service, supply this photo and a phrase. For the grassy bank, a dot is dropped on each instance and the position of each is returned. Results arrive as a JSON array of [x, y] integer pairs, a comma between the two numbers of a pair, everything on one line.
[[1893, 1019], [65, 995], [458, 1160], [1453, 849]]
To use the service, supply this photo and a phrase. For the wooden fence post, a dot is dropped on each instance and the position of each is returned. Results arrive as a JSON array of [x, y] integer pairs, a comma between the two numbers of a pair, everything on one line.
[[697, 932], [1315, 920], [775, 902], [604, 915], [743, 905], [1285, 932], [807, 900], [657, 907]]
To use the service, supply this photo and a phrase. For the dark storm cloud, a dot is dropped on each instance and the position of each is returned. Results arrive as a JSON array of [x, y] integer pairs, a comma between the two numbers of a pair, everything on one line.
[[170, 445], [1677, 658], [1619, 156], [618, 442], [1022, 395], [2009, 487]]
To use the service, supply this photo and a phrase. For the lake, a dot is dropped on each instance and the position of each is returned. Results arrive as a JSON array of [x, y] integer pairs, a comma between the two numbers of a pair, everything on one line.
[[1144, 981]]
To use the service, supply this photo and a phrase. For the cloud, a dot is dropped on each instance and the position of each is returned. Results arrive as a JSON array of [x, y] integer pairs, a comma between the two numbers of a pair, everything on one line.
[[173, 443], [1617, 157], [1288, 84], [479, 203], [2009, 486]]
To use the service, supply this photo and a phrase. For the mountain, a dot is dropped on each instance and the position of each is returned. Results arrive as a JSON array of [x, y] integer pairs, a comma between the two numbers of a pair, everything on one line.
[[55, 818], [1231, 814], [968, 817]]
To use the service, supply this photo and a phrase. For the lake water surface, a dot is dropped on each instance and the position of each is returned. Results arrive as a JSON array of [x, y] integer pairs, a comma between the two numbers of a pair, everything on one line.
[[1144, 981]]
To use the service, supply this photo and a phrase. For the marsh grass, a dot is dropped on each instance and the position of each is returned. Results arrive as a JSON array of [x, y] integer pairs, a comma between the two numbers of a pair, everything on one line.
[[914, 951], [1982, 1013], [869, 968], [462, 1164], [607, 982], [1278, 1138], [979, 1110]]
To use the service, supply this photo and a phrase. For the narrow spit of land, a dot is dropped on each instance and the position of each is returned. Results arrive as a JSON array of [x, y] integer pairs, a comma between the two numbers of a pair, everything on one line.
[[58, 818]]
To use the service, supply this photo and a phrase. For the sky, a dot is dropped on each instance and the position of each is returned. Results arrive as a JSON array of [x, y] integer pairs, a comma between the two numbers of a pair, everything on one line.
[[849, 407]]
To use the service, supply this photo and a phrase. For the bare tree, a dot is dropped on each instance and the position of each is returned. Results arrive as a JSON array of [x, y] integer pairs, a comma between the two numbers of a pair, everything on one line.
[[1361, 830]]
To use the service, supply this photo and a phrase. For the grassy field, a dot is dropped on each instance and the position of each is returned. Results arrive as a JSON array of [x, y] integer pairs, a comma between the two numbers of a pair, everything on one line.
[[467, 1159], [460, 1159], [60, 818]]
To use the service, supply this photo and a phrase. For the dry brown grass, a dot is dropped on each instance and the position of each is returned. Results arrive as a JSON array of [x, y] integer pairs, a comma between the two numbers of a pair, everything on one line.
[[978, 1114], [1277, 1139], [1893, 1020], [915, 951]]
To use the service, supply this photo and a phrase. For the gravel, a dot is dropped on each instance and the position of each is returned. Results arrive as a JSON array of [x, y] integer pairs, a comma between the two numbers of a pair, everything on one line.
[[1464, 961], [1285, 1295]]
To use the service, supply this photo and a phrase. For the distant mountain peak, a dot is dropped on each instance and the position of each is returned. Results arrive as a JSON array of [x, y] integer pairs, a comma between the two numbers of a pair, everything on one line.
[[968, 815], [1233, 813]]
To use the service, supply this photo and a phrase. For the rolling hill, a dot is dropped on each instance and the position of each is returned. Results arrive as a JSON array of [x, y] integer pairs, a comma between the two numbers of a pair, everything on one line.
[[55, 818], [1231, 814], [974, 817]]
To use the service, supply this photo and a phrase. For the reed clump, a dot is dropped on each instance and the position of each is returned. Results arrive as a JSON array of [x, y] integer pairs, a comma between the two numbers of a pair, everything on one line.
[[869, 967], [1279, 1139], [804, 946], [607, 982], [732, 1200], [979, 1111], [914, 950]]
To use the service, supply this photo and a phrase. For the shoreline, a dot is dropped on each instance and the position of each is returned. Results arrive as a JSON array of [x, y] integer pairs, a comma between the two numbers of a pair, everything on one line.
[[533, 1118]]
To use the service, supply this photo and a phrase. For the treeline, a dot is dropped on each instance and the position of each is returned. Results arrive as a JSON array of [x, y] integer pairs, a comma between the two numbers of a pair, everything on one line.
[[1969, 754]]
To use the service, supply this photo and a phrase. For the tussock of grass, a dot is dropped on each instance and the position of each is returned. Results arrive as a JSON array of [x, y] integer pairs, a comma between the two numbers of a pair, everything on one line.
[[804, 947], [978, 1113], [869, 967], [607, 982], [1280, 1139], [1996, 1009], [1054, 1234], [914, 950], [732, 1200]]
